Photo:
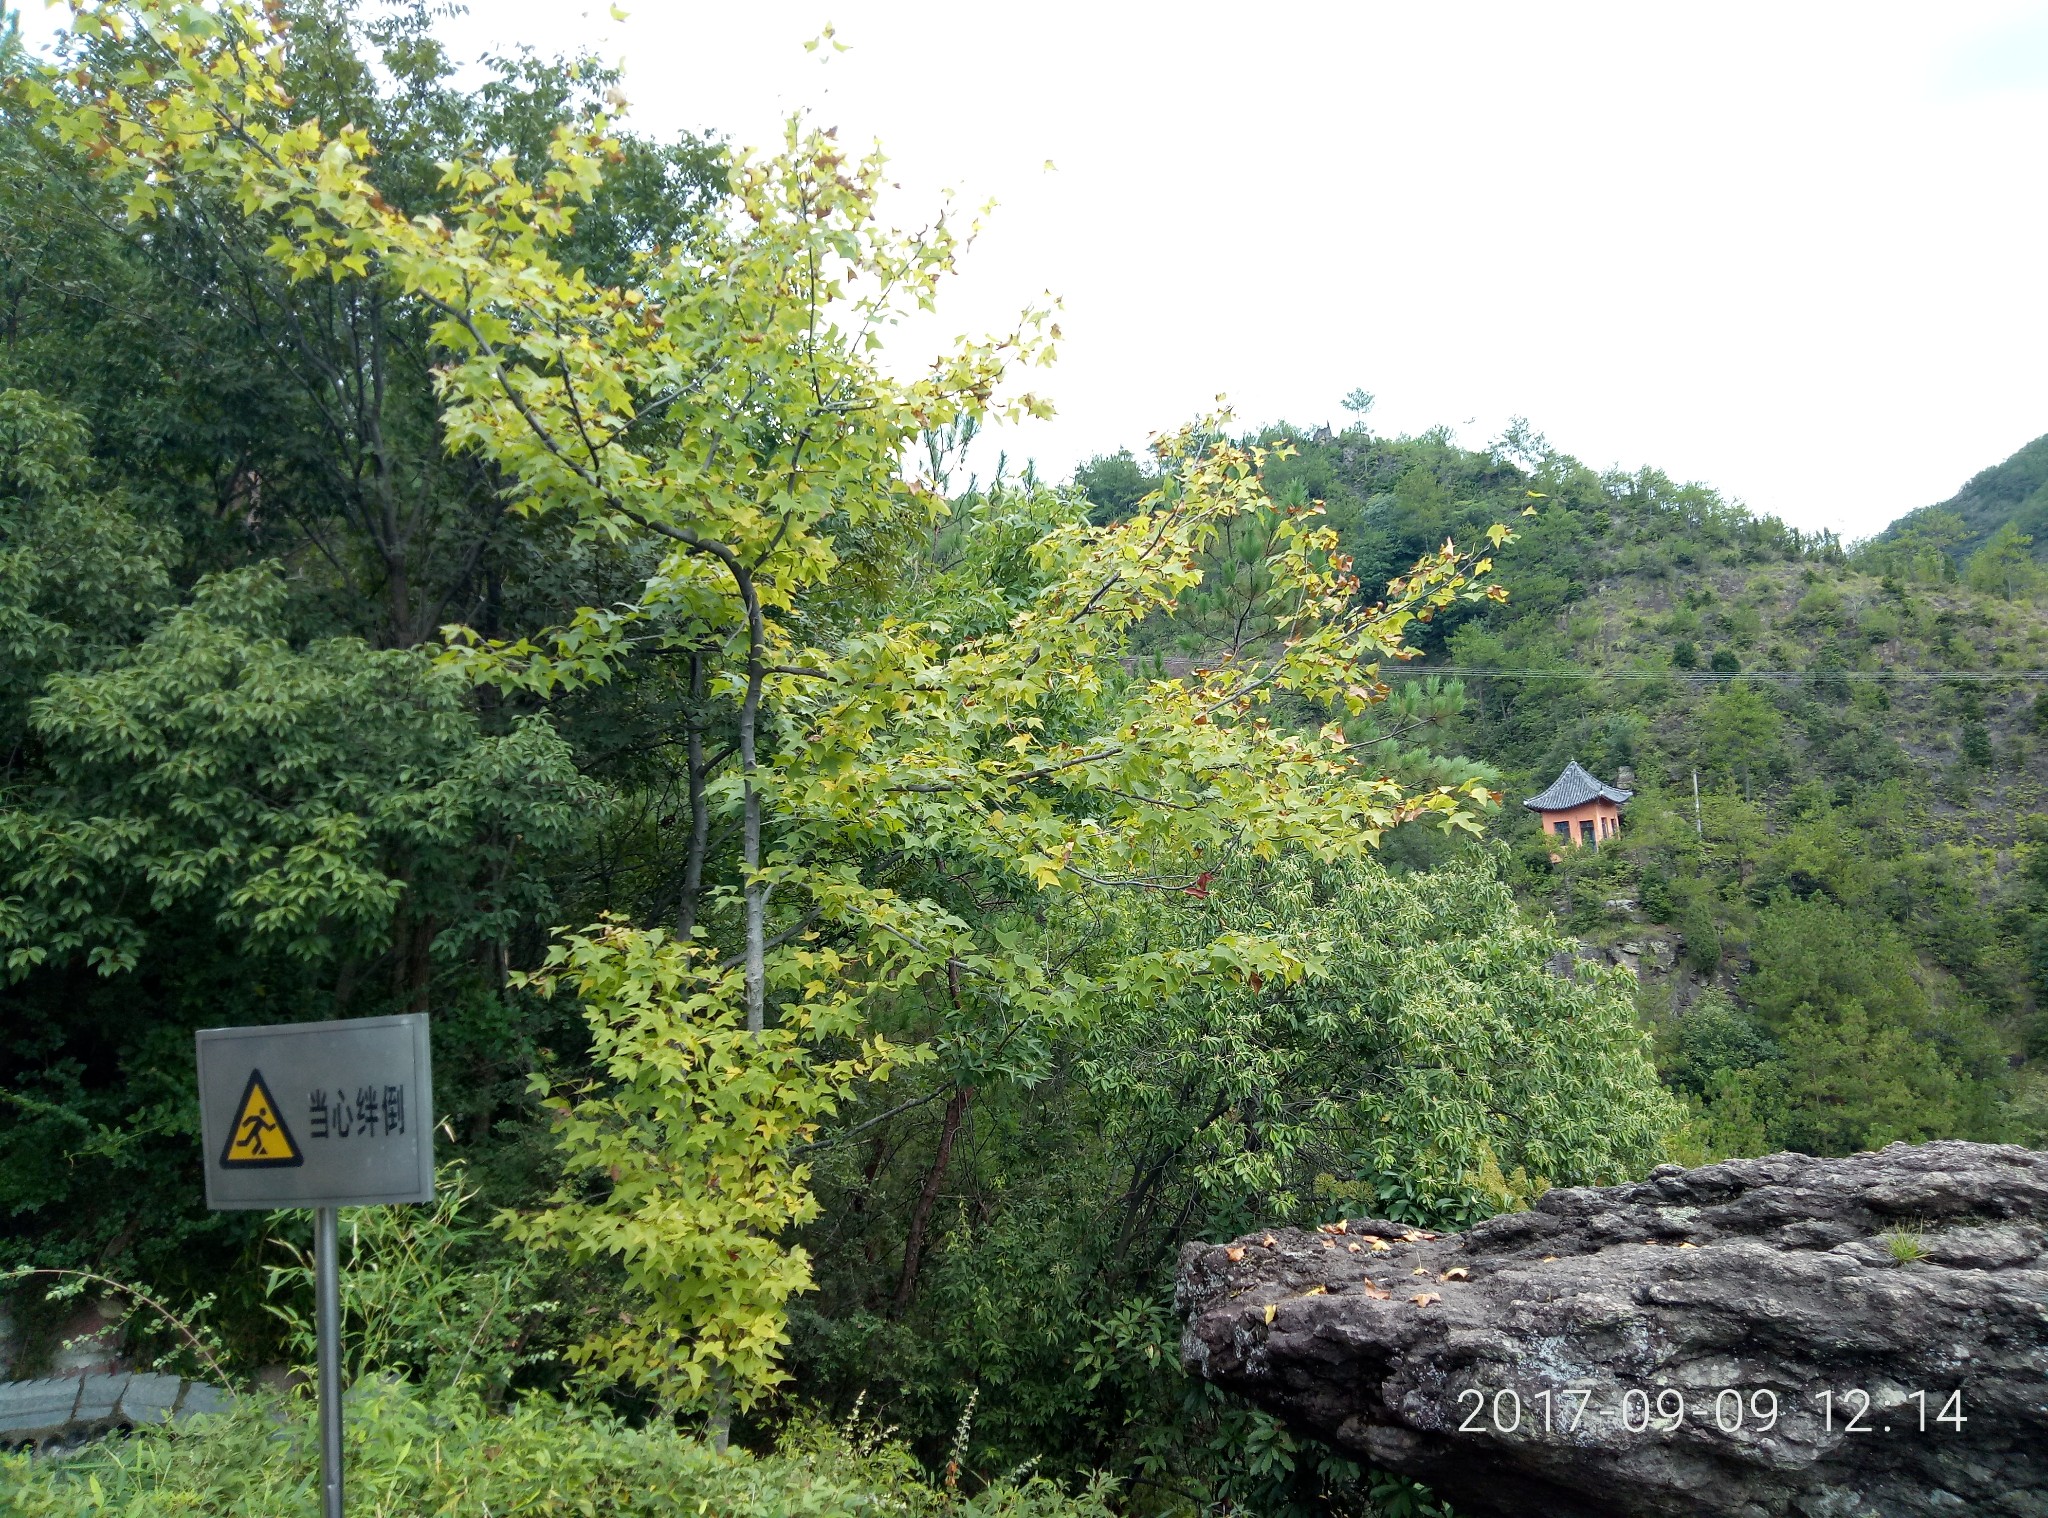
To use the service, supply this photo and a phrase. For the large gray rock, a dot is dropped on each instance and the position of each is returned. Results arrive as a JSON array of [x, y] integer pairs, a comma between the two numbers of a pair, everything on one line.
[[1861, 1297]]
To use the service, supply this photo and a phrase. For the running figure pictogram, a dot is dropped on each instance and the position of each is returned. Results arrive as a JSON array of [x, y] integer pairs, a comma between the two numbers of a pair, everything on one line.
[[254, 1126]]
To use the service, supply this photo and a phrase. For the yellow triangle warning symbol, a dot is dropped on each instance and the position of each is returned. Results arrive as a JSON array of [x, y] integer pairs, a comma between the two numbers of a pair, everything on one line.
[[260, 1138]]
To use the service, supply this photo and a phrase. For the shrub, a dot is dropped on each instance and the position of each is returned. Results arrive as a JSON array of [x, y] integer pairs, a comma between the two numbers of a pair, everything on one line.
[[1977, 745], [1714, 1040], [445, 1454], [427, 1293], [1820, 607], [1702, 937], [1654, 894]]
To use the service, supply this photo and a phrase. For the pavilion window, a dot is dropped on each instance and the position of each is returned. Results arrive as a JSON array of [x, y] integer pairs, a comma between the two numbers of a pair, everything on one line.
[[1564, 829], [1586, 832]]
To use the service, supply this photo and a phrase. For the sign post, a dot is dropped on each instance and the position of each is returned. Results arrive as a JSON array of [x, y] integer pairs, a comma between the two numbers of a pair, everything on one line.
[[320, 1115], [327, 1324]]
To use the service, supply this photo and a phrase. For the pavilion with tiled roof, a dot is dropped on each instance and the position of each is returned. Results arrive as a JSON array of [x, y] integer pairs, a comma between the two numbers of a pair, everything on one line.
[[1579, 808]]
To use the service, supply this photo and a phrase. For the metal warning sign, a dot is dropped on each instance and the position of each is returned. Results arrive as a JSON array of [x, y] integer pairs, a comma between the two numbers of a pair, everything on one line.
[[258, 1136], [333, 1114]]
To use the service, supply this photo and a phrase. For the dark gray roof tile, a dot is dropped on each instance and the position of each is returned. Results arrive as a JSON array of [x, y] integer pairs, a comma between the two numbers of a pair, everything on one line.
[[1575, 787]]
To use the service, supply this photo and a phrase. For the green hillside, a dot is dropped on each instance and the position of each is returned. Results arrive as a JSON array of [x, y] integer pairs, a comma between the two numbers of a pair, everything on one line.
[[2014, 492], [1847, 942]]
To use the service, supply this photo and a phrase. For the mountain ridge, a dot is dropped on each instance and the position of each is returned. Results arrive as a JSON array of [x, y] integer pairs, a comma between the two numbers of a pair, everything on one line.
[[2013, 490]]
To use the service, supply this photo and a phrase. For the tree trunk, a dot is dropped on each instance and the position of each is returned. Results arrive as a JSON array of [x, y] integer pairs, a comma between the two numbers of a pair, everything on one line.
[[920, 1217], [416, 968], [756, 981], [718, 1422], [878, 1151], [394, 541], [756, 956], [700, 815]]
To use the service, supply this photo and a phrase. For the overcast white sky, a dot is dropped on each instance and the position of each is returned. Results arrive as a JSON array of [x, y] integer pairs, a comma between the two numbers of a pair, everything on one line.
[[1792, 249]]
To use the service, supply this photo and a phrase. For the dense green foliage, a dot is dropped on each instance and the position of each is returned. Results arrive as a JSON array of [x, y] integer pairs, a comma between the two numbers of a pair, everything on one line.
[[1426, 1067], [226, 762]]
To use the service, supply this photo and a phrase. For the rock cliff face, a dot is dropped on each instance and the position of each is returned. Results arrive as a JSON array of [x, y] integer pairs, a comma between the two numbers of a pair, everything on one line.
[[1827, 1338]]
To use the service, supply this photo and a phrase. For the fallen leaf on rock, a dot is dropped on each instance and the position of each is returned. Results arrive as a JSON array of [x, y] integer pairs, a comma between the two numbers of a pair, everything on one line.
[[1420, 1270], [1456, 1273], [1234, 1253], [1376, 1294], [1271, 1308], [1424, 1298], [1268, 1241], [1380, 1246], [1688, 1246], [1548, 1258], [1352, 1247], [1316, 1291]]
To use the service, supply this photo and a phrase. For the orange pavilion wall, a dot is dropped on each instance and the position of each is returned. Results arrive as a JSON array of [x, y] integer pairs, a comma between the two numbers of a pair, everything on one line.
[[1603, 814]]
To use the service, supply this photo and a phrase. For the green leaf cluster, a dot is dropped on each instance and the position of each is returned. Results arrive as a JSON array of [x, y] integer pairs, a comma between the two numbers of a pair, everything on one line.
[[445, 1453], [293, 797], [678, 1153]]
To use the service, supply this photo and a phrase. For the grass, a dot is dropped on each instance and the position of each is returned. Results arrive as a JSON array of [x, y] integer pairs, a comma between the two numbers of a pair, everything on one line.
[[444, 1455], [1904, 1247]]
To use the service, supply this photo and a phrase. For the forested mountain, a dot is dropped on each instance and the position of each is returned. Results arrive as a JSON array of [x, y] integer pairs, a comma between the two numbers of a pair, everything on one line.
[[1846, 942], [2014, 494]]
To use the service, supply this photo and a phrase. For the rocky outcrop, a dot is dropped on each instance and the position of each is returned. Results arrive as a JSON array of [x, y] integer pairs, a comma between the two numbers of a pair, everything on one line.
[[1650, 957], [1827, 1338]]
